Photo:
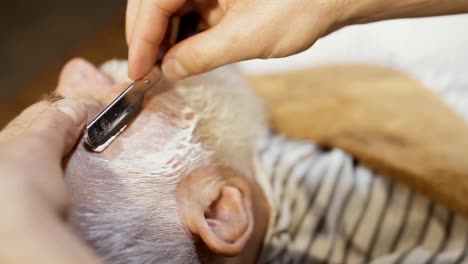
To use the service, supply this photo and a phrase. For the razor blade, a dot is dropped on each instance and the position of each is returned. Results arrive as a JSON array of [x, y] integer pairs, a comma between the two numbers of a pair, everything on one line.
[[113, 120], [116, 117]]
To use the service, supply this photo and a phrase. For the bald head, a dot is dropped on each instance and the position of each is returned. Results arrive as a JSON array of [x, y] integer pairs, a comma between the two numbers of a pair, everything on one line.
[[172, 175]]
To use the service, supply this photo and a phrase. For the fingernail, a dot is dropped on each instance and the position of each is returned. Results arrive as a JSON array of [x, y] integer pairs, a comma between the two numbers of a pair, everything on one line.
[[72, 108], [173, 70]]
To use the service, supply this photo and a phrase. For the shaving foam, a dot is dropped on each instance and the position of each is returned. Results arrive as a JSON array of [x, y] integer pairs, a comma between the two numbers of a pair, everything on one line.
[[166, 162]]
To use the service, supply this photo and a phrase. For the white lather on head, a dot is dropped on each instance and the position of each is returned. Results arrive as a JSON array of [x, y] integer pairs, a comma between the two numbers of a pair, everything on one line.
[[125, 205]]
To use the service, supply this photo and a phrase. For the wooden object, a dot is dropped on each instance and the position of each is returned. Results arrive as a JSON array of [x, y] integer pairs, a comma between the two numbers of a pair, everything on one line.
[[382, 117]]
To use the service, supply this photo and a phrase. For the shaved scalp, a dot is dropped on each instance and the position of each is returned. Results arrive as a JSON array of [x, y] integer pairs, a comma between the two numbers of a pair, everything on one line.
[[124, 200]]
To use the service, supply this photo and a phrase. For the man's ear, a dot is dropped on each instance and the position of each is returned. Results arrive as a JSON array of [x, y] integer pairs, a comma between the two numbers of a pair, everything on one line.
[[218, 211]]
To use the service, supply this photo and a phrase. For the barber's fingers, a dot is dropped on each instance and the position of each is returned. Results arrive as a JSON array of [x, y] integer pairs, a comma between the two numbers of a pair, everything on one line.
[[57, 129], [81, 79], [130, 16], [186, 8], [225, 43], [147, 34], [23, 120]]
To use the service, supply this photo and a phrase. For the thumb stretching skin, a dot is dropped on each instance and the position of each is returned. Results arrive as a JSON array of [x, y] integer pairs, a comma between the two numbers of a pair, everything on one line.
[[59, 126]]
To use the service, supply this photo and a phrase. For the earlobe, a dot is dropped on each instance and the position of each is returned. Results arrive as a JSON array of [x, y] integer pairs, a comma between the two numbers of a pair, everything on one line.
[[226, 225]]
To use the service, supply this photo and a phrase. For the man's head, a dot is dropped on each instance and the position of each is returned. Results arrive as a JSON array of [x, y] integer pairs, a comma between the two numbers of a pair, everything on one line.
[[178, 185]]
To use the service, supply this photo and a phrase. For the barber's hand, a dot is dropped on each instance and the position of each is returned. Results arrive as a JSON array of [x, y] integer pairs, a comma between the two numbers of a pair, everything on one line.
[[247, 29], [239, 30], [33, 196]]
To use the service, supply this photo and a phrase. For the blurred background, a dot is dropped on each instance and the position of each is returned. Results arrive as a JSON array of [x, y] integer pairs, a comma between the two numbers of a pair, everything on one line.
[[39, 37]]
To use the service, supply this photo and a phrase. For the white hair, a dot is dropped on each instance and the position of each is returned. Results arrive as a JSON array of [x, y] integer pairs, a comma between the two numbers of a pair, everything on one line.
[[126, 206]]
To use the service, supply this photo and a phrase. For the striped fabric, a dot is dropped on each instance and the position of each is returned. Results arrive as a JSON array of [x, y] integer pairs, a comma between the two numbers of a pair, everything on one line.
[[327, 208]]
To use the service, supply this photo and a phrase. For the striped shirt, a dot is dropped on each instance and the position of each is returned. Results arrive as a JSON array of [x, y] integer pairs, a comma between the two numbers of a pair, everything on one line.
[[327, 208]]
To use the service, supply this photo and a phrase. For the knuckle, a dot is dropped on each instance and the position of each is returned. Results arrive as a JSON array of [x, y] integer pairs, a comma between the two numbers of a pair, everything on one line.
[[52, 128], [200, 58], [195, 60], [248, 43], [163, 7], [56, 121], [240, 38], [148, 39], [268, 52]]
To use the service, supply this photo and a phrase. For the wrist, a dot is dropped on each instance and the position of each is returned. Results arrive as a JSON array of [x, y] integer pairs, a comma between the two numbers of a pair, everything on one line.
[[361, 12], [366, 11]]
